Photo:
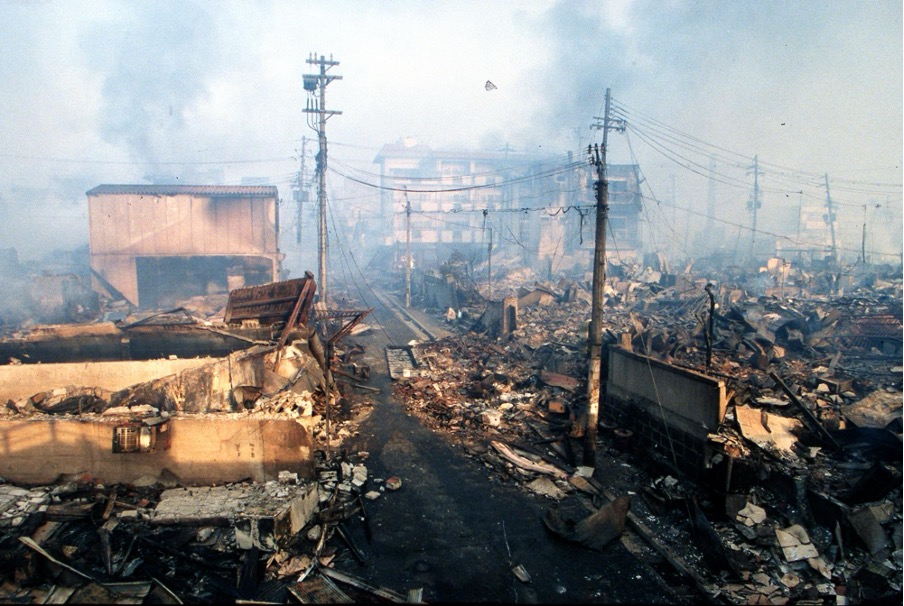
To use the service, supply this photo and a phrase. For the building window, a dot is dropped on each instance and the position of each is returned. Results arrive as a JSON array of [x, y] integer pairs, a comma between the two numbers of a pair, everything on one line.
[[618, 186], [140, 436]]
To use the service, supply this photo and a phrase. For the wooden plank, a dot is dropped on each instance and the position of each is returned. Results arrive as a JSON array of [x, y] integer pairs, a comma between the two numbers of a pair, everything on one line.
[[59, 594], [809, 417], [526, 463]]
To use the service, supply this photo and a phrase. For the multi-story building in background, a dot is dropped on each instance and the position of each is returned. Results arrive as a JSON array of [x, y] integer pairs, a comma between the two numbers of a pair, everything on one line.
[[530, 210]]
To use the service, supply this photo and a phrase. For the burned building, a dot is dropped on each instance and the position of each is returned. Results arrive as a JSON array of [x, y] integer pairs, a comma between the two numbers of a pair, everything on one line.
[[536, 209], [154, 245]]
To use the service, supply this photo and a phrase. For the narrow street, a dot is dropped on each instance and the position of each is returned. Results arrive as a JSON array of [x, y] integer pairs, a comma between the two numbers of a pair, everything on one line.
[[456, 531]]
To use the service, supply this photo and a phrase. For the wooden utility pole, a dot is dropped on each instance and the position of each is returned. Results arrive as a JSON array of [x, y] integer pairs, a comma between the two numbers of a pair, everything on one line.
[[407, 250], [598, 159], [314, 84]]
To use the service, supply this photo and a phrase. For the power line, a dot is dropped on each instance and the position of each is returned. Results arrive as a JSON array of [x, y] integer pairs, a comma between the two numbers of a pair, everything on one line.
[[807, 177], [546, 174], [768, 233]]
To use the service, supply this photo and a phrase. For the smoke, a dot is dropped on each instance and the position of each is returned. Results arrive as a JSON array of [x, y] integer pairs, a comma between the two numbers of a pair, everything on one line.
[[812, 86], [132, 91], [157, 65]]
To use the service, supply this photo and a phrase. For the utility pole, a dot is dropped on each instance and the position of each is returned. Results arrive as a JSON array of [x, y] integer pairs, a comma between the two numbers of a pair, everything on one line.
[[490, 265], [489, 254], [710, 326], [314, 83], [863, 239], [301, 192], [407, 250], [754, 205], [830, 219], [598, 159]]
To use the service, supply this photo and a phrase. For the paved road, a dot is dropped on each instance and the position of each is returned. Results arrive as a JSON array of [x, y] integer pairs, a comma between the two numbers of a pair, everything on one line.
[[454, 530]]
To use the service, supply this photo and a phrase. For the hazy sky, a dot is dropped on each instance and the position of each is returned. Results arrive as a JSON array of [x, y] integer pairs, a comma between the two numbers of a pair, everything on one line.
[[113, 92]]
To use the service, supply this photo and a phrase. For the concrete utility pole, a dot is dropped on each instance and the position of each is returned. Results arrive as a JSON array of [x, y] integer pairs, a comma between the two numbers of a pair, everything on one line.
[[490, 265], [301, 191], [754, 204], [407, 250], [830, 219], [314, 83], [598, 159], [489, 254], [863, 239]]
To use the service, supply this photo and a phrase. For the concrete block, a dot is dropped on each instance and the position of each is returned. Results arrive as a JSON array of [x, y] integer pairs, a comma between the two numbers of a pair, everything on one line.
[[689, 401], [266, 516]]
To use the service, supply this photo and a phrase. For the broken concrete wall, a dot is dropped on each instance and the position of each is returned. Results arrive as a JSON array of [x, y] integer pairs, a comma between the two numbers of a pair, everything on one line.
[[439, 292], [668, 408], [207, 388], [112, 341], [202, 450], [499, 319], [266, 516], [24, 380]]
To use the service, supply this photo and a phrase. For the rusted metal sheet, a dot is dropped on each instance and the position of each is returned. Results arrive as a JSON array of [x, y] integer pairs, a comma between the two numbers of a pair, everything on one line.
[[271, 303]]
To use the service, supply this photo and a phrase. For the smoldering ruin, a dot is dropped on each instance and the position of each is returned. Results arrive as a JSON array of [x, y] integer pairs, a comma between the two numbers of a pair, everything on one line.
[[185, 430], [494, 383]]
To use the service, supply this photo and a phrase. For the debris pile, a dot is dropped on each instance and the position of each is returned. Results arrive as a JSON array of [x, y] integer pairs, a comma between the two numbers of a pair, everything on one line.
[[82, 541], [800, 496]]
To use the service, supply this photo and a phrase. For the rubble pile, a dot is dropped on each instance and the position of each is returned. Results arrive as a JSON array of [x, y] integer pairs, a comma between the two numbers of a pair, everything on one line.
[[812, 511], [273, 542]]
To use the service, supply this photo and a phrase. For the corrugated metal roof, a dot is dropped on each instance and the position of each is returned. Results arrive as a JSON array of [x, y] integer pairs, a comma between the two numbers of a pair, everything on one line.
[[877, 327], [250, 191]]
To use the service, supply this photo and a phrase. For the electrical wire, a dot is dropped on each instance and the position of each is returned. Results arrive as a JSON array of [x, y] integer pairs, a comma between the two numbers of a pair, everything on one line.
[[665, 139], [550, 173]]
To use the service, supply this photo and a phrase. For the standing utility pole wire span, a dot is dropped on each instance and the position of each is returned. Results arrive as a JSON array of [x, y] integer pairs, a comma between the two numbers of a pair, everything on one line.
[[598, 159], [314, 84]]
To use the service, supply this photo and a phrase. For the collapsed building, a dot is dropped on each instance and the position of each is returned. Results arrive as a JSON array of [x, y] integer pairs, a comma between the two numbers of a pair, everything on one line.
[[168, 422], [764, 431], [757, 447], [153, 387]]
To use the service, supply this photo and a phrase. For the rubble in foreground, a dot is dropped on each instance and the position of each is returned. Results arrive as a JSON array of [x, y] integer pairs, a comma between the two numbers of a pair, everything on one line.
[[809, 509]]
